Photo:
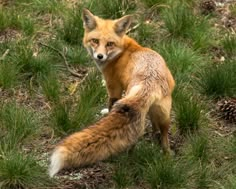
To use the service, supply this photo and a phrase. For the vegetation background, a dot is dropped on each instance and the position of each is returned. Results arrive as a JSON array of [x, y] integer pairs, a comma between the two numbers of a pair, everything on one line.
[[49, 88]]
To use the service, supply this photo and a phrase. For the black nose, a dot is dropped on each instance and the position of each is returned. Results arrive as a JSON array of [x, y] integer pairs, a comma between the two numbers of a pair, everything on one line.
[[100, 56]]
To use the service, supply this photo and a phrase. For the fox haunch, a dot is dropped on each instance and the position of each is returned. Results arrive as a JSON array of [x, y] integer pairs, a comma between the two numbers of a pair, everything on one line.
[[128, 68]]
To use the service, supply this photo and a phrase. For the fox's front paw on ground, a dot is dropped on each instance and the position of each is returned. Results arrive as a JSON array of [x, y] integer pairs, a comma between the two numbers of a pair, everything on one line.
[[128, 68]]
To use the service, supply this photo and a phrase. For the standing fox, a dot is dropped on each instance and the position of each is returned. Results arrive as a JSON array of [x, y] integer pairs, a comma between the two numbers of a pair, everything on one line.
[[138, 72]]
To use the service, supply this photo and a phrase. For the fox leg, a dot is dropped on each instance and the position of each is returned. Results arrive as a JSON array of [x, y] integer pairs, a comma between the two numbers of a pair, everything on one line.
[[115, 94], [160, 118]]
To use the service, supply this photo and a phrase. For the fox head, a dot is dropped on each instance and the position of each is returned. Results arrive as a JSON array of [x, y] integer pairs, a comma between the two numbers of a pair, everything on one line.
[[104, 38]]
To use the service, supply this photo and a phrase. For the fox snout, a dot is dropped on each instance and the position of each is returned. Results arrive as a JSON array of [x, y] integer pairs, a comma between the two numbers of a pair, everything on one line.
[[101, 57]]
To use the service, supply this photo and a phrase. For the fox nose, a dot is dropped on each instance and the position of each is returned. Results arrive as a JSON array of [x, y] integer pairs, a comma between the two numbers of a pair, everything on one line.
[[100, 56]]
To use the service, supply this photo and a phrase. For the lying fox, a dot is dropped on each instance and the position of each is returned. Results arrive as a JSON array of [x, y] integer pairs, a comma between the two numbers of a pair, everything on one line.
[[130, 69]]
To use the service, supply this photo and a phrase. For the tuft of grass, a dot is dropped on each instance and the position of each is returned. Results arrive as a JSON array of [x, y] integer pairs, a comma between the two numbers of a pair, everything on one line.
[[121, 177], [21, 171], [112, 9], [51, 88], [164, 173], [199, 147], [17, 124], [145, 34], [61, 119], [10, 19], [31, 64], [90, 100], [218, 80], [41, 7], [9, 74], [77, 56], [181, 59], [72, 31], [145, 161], [203, 179], [187, 112], [152, 3], [229, 45], [180, 21], [231, 183]]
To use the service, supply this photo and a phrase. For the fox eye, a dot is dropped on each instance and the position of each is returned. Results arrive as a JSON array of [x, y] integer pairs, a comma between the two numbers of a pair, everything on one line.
[[96, 41], [110, 44]]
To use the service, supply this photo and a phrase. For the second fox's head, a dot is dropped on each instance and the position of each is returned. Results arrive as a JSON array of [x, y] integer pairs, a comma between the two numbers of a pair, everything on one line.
[[104, 38]]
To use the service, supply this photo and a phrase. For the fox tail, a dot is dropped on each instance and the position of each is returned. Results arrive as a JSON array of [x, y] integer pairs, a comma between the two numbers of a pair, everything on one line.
[[114, 133]]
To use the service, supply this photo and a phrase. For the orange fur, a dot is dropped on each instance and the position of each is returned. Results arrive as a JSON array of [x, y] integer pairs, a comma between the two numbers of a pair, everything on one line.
[[127, 67]]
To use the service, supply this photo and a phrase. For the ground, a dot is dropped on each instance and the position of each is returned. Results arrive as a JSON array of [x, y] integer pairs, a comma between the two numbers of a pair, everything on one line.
[[49, 88]]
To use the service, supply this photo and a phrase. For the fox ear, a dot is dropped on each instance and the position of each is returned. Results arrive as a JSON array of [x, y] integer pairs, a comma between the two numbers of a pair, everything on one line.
[[123, 24], [89, 20]]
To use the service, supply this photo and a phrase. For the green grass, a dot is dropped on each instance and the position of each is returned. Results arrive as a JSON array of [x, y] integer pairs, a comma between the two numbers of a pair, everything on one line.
[[187, 112], [9, 74], [72, 31], [181, 22], [31, 64], [182, 60], [9, 19], [90, 100], [145, 34], [21, 171], [51, 88], [218, 80], [60, 119], [162, 173], [229, 45], [198, 147], [111, 9], [152, 3], [17, 124], [121, 177], [41, 101]]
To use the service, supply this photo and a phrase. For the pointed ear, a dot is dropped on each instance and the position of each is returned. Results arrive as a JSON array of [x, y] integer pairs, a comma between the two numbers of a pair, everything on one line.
[[123, 24], [89, 20]]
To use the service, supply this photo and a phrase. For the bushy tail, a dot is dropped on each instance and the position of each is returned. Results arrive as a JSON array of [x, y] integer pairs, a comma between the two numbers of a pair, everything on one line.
[[112, 134]]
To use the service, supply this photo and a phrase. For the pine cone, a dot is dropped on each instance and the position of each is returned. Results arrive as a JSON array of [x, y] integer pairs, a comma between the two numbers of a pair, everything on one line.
[[207, 6], [227, 109]]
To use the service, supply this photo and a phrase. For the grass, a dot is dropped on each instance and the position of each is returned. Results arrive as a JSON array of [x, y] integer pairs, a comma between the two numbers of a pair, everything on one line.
[[9, 74], [51, 88], [229, 45], [181, 22], [188, 112], [72, 31], [152, 3], [161, 173], [41, 102], [182, 60], [209, 79], [21, 171], [112, 9], [17, 124], [89, 101], [9, 19], [61, 120]]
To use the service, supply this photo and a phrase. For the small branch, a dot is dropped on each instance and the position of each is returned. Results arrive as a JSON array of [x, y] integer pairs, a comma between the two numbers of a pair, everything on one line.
[[133, 28], [4, 54], [64, 58]]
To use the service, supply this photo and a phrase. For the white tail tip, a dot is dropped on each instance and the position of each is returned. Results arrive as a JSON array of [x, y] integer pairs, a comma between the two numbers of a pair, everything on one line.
[[56, 161]]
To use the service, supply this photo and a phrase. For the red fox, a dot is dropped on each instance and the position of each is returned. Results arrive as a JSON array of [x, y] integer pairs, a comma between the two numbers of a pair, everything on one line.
[[130, 69]]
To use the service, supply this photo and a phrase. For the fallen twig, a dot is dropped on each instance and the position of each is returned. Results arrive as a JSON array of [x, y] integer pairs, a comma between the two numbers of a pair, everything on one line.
[[133, 28], [5, 54], [64, 58]]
